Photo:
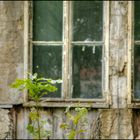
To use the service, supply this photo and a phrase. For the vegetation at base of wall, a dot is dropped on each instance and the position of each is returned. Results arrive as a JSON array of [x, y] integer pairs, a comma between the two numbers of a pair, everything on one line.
[[36, 126], [37, 88], [76, 122]]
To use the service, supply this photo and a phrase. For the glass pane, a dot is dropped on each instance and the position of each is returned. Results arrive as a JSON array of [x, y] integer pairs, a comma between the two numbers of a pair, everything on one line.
[[47, 62], [87, 20], [137, 20], [87, 64], [47, 20], [137, 71]]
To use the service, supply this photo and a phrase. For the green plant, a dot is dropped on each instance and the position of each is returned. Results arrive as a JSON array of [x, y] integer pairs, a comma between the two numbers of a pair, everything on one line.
[[76, 122], [36, 126], [37, 88]]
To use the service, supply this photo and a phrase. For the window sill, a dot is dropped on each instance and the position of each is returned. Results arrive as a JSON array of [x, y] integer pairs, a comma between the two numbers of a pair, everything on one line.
[[6, 106], [135, 105], [67, 104]]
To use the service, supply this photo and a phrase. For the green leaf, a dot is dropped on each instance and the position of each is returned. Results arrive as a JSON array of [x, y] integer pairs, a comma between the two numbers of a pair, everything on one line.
[[72, 134], [81, 131], [19, 83], [30, 128], [70, 116], [33, 115], [76, 119], [64, 126]]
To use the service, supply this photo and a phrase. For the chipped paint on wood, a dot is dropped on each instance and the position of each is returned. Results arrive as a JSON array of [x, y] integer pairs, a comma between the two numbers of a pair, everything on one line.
[[114, 122], [118, 53]]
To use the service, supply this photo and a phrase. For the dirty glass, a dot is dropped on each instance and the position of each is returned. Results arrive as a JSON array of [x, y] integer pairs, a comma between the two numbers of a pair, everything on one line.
[[47, 20], [137, 20], [87, 63], [87, 20], [137, 71], [47, 62]]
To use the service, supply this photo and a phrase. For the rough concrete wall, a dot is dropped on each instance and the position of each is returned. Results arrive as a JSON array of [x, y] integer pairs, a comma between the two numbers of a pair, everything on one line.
[[115, 122], [5, 124], [118, 53], [11, 59], [11, 48]]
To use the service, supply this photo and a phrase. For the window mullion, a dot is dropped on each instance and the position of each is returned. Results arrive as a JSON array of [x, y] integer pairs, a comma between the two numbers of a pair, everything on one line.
[[45, 43], [30, 38], [137, 42], [105, 55], [65, 65], [96, 43], [70, 48]]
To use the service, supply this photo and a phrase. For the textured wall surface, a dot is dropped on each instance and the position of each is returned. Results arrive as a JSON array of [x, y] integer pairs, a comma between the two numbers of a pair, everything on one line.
[[118, 53], [11, 48], [5, 124], [114, 122]]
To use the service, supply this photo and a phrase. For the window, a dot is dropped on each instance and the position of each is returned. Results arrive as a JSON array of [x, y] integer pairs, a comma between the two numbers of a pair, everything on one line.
[[69, 41], [48, 26], [136, 50]]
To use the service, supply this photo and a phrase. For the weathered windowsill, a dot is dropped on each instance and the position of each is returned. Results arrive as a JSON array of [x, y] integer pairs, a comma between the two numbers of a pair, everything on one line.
[[67, 104], [6, 105], [135, 105]]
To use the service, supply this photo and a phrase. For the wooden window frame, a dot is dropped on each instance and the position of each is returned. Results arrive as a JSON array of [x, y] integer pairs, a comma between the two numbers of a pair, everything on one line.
[[66, 72], [131, 102]]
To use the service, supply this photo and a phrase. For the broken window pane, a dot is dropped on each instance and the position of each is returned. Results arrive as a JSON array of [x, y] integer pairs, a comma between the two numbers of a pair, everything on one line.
[[47, 20], [47, 62], [137, 71], [87, 20], [87, 64], [137, 20]]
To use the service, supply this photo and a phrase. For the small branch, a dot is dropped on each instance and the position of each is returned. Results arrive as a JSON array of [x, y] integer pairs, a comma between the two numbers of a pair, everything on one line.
[[38, 120]]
